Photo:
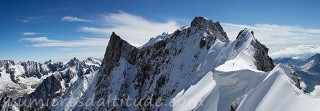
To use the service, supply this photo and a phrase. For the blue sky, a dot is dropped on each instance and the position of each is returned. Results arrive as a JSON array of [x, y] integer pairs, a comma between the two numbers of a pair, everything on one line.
[[40, 30]]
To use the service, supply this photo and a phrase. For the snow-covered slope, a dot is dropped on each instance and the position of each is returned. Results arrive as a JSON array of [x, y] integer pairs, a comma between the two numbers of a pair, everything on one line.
[[205, 91], [308, 70], [278, 93]]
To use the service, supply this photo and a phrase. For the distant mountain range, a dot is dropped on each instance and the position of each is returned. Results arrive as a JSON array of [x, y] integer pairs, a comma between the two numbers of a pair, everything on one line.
[[24, 77], [308, 70]]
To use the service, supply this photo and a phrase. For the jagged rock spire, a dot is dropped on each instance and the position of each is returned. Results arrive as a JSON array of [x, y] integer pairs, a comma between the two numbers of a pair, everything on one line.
[[203, 23]]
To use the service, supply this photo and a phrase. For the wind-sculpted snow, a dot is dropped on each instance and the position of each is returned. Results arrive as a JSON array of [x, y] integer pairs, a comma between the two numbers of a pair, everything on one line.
[[278, 93], [203, 95]]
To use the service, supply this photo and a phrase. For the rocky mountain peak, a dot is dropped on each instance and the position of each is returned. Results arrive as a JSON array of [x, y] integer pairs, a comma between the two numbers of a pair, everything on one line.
[[202, 23], [74, 59], [263, 61], [316, 56], [312, 64], [89, 59], [48, 62], [116, 49], [245, 34], [74, 62], [47, 91], [6, 62]]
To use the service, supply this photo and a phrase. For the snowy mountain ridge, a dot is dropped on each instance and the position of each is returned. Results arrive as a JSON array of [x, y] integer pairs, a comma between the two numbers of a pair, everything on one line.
[[167, 67], [196, 67]]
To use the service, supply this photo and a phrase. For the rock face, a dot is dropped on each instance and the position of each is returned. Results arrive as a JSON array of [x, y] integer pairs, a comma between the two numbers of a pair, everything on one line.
[[201, 23], [43, 96], [41, 99], [160, 69], [117, 48], [8, 65], [263, 61], [34, 69]]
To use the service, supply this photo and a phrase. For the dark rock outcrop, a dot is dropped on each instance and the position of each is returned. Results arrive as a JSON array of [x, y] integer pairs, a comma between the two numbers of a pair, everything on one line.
[[116, 49], [263, 61], [202, 23], [42, 98], [34, 69]]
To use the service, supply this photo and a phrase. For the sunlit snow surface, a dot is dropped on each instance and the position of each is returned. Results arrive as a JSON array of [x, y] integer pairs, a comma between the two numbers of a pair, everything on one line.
[[278, 93], [197, 94]]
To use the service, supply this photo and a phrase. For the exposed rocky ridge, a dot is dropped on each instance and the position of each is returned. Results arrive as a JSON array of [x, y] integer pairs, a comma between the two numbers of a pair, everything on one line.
[[46, 92], [7, 64], [202, 23], [41, 99], [117, 48], [263, 61]]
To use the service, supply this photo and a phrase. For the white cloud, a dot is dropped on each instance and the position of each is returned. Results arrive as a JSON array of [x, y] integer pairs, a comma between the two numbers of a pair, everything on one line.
[[316, 91], [134, 29], [282, 40], [82, 42], [301, 51], [27, 19], [73, 19], [273, 32], [29, 33], [278, 37]]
